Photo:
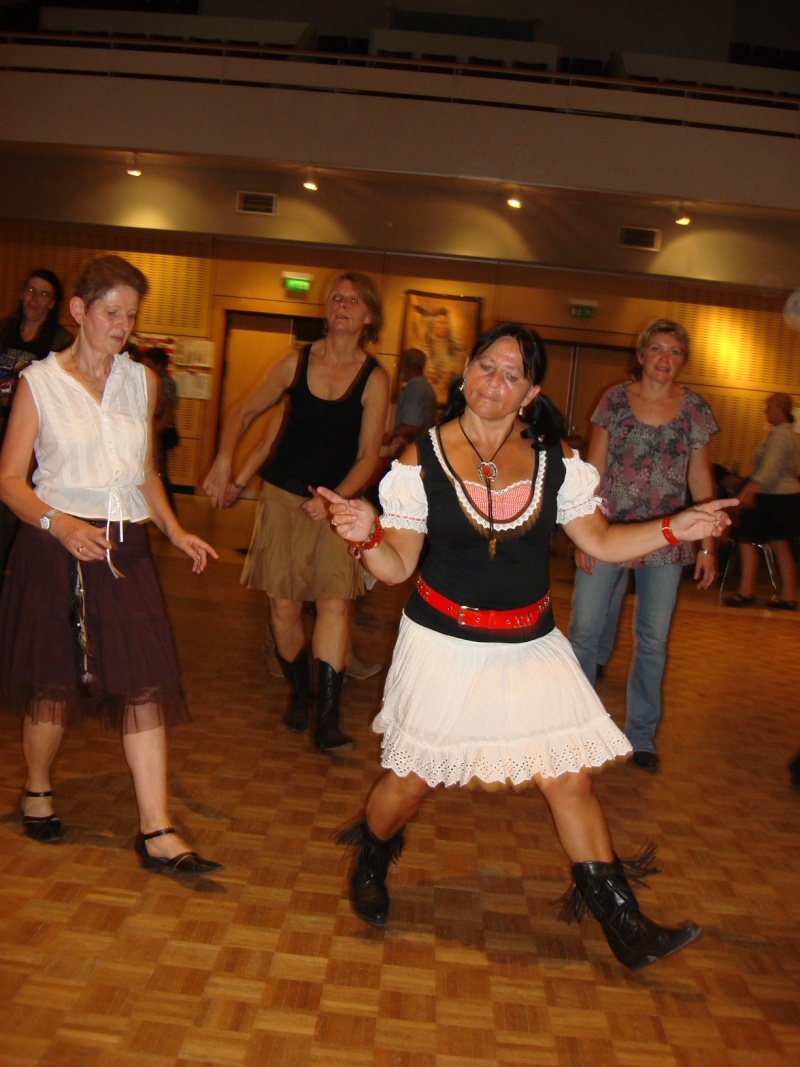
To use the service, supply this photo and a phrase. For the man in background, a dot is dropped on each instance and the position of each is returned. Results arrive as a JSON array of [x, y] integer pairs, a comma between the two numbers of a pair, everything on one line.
[[416, 405]]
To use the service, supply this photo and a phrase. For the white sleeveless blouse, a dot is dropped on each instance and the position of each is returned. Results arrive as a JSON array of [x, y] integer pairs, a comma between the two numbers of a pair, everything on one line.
[[90, 455]]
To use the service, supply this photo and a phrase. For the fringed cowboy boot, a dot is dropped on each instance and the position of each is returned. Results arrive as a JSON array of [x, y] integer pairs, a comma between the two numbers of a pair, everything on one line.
[[604, 889], [297, 675], [368, 892], [327, 735]]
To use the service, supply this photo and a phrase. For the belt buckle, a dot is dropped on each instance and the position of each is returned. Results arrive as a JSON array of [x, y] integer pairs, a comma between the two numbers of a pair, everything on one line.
[[462, 608]]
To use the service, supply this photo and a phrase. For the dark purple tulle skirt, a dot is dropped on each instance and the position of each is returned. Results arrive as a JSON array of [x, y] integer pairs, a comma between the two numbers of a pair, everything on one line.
[[135, 683]]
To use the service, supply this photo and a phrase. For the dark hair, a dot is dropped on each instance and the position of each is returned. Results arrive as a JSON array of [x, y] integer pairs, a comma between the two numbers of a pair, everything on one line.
[[545, 425], [157, 356], [365, 287], [415, 358], [105, 273], [50, 324]]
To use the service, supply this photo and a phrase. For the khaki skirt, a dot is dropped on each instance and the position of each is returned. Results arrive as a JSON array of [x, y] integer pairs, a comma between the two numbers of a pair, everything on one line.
[[292, 558]]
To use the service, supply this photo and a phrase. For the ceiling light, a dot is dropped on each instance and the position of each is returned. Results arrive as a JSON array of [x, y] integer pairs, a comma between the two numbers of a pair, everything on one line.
[[514, 200], [132, 167], [311, 181], [681, 216]]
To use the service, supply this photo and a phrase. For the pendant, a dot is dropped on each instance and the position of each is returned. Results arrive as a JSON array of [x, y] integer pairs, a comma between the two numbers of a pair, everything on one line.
[[487, 470], [492, 548]]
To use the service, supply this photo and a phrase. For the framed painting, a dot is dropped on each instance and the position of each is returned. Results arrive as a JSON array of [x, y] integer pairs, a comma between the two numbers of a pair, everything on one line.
[[445, 328]]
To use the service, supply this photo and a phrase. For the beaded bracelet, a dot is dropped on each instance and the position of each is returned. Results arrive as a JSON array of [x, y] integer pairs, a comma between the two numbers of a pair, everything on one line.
[[364, 546], [666, 530]]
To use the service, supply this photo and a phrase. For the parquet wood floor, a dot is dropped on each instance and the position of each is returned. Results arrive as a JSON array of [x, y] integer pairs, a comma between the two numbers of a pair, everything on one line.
[[263, 965]]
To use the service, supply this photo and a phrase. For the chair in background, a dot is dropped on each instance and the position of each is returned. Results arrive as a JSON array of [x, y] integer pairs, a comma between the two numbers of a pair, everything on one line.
[[732, 564]]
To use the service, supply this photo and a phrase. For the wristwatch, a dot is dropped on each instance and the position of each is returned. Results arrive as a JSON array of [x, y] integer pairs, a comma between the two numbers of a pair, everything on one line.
[[47, 518]]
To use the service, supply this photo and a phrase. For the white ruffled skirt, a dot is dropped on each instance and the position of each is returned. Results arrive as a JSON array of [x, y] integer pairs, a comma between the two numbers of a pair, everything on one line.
[[457, 710]]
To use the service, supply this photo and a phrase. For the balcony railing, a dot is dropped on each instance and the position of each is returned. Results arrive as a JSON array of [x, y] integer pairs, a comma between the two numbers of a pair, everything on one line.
[[478, 83]]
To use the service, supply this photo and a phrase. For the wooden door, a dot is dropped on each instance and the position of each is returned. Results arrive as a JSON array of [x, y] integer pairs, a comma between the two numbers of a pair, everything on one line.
[[254, 342]]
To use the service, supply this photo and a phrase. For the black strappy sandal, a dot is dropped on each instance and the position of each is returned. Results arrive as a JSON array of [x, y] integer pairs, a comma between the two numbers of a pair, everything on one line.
[[183, 863], [46, 829]]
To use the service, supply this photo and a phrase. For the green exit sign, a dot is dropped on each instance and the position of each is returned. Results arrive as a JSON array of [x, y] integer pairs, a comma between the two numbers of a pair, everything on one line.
[[297, 285], [582, 311]]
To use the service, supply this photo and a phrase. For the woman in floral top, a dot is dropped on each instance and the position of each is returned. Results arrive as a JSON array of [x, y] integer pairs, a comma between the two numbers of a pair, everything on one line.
[[650, 446]]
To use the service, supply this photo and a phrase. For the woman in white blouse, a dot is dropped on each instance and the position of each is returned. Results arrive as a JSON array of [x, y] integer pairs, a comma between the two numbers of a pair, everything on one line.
[[80, 596]]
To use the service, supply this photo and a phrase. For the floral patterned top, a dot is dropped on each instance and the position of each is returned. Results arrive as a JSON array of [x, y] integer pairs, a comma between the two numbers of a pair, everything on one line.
[[647, 470]]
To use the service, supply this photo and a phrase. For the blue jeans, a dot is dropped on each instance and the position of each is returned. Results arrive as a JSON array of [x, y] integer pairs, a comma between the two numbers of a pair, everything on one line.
[[598, 595]]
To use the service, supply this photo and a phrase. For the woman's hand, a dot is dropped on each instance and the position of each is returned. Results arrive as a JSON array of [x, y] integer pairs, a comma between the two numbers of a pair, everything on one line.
[[747, 495], [195, 548], [352, 519], [217, 482], [232, 494], [584, 561], [315, 508], [85, 542], [703, 520], [705, 568]]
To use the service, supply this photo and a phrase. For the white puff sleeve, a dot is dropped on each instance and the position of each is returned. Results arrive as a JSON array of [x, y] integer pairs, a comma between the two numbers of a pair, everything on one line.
[[576, 495], [402, 497]]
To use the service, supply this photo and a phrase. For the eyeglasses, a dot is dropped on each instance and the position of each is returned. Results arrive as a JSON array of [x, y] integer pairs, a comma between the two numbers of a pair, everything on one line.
[[45, 294]]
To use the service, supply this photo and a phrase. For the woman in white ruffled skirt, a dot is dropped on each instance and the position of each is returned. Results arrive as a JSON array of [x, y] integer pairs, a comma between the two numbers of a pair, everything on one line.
[[482, 685]]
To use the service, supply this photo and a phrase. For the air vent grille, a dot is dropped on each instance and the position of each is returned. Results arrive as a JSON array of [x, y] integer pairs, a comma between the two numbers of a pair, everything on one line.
[[637, 237], [256, 203]]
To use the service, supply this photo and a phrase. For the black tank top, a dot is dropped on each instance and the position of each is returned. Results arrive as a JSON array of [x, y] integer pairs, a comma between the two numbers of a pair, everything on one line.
[[319, 441]]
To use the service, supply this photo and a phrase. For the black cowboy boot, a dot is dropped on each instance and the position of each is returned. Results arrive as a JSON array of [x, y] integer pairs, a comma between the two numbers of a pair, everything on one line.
[[368, 892], [327, 735], [603, 888], [297, 675]]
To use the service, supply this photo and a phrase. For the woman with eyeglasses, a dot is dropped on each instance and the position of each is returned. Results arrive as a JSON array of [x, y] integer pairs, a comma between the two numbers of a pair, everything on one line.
[[27, 335], [336, 397], [81, 598]]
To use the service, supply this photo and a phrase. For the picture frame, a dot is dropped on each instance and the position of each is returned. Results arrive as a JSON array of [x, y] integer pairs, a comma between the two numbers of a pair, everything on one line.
[[445, 328]]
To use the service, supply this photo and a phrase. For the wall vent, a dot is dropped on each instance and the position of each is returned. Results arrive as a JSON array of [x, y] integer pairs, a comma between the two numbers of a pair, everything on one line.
[[637, 237], [256, 203]]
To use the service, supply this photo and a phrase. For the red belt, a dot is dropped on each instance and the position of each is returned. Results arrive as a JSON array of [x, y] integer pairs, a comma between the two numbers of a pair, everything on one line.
[[478, 619]]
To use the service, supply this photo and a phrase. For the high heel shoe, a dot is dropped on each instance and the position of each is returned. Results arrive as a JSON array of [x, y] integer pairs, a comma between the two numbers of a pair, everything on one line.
[[46, 829], [183, 863]]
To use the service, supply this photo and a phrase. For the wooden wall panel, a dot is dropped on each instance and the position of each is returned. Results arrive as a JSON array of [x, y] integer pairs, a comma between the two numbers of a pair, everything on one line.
[[177, 268], [740, 338]]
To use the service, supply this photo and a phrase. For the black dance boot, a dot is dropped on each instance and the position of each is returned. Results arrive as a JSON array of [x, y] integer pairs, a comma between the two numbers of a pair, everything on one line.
[[297, 675], [368, 892], [603, 888], [327, 735]]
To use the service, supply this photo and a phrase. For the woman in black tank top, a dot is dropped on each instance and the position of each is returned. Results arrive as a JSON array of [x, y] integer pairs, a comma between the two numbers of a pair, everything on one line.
[[335, 397]]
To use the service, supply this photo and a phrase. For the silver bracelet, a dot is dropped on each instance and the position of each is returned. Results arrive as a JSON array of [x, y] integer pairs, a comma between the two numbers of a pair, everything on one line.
[[706, 551]]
